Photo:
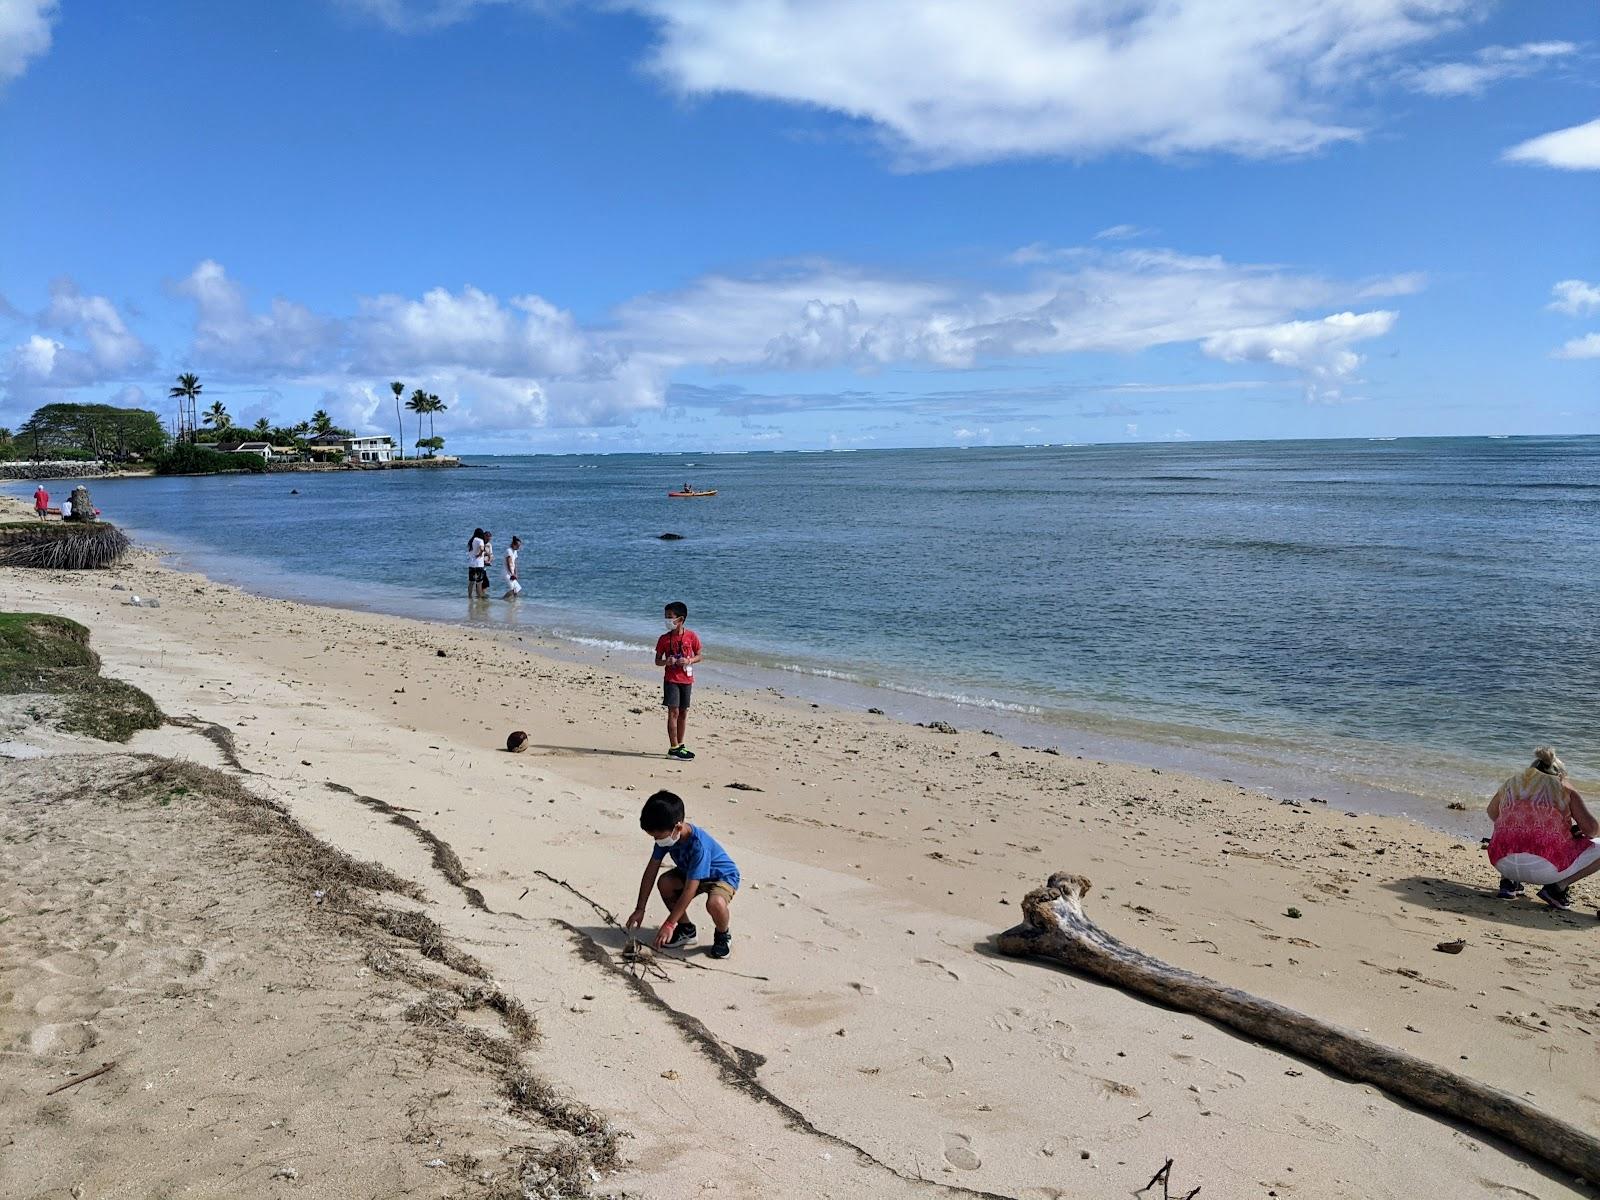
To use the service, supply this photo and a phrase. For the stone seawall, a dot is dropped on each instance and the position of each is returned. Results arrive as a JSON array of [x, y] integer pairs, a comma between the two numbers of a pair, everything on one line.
[[60, 470]]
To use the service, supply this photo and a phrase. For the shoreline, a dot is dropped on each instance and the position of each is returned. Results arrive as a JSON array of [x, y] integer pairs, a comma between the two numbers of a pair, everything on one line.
[[1275, 766], [879, 860]]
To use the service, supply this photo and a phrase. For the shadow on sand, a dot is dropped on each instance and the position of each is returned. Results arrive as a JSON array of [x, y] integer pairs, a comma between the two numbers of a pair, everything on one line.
[[1463, 900]]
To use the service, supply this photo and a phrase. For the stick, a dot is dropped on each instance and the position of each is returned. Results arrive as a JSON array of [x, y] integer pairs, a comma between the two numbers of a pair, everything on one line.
[[84, 1078], [1055, 928]]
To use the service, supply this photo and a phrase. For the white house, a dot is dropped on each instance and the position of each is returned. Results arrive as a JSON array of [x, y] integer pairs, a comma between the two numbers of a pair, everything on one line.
[[264, 449], [378, 449]]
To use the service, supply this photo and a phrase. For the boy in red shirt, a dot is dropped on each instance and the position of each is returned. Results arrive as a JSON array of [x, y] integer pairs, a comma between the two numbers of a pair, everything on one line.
[[678, 649]]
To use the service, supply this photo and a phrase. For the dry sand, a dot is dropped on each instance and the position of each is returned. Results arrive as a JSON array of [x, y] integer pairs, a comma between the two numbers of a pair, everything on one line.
[[863, 1039]]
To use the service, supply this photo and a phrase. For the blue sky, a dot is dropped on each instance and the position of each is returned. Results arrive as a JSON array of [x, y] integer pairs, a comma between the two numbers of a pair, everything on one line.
[[742, 224]]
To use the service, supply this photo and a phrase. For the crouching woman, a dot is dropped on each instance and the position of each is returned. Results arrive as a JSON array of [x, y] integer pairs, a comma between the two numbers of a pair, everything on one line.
[[1534, 815]]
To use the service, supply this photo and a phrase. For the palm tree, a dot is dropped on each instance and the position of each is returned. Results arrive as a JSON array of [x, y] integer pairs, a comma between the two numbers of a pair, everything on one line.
[[419, 405], [217, 416], [399, 389], [262, 428], [186, 393], [321, 422], [301, 428], [435, 405], [5, 436]]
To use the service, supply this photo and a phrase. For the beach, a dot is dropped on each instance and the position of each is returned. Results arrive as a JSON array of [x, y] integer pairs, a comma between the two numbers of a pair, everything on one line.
[[864, 1038]]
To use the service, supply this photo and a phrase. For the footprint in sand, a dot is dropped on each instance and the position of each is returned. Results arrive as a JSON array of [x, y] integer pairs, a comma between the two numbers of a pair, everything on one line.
[[928, 962], [939, 1064], [958, 1152]]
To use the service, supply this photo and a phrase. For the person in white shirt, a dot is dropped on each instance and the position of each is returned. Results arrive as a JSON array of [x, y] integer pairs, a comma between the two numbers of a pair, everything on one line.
[[513, 584], [476, 545]]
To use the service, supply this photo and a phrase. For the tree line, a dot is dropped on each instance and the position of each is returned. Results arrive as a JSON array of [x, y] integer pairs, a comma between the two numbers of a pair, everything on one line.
[[104, 431]]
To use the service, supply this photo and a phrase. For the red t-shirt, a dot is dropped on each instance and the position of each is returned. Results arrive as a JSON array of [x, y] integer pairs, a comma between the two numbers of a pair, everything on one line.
[[683, 644]]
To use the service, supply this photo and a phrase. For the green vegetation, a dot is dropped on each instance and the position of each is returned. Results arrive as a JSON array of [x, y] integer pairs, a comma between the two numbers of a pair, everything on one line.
[[186, 458], [85, 431], [48, 655]]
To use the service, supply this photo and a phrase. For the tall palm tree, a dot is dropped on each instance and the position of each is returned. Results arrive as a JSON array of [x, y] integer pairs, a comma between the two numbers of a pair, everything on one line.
[[5, 436], [217, 416], [321, 422], [435, 405], [262, 428], [419, 405], [186, 393], [399, 390]]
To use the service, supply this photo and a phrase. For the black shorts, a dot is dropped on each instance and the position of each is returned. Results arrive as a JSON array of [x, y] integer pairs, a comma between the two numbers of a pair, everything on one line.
[[478, 575], [675, 695]]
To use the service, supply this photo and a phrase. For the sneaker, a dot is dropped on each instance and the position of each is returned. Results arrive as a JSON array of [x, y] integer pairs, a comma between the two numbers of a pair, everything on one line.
[[719, 944], [1555, 896], [682, 753], [683, 934], [1510, 889]]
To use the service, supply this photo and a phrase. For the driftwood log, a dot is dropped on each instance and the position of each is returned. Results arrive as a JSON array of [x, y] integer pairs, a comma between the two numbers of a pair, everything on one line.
[[1054, 928]]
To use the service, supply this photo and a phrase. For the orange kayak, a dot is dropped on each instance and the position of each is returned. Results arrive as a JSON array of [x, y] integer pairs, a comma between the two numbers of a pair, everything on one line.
[[691, 495]]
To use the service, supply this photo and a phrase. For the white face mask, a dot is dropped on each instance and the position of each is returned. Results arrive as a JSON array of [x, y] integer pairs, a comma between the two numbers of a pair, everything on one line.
[[668, 842], [671, 625]]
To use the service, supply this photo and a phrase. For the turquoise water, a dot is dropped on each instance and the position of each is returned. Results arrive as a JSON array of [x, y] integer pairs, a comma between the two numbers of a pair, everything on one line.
[[1394, 608]]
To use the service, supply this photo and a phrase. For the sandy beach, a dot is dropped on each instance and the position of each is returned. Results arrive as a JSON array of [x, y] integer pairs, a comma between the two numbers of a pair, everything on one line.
[[863, 1040]]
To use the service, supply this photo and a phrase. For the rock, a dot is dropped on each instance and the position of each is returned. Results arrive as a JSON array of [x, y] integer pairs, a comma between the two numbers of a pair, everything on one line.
[[939, 726], [877, 712], [82, 506], [1456, 806], [669, 537], [441, 654], [1455, 947], [286, 1173], [742, 787]]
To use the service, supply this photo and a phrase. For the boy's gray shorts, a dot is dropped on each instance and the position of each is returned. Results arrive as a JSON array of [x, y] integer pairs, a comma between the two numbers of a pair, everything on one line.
[[675, 695]]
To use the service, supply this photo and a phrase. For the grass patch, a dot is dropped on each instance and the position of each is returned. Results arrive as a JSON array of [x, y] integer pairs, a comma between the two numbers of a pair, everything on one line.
[[48, 655]]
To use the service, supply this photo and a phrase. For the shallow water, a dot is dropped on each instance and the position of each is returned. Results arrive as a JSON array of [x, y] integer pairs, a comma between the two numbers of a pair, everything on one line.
[[1412, 615]]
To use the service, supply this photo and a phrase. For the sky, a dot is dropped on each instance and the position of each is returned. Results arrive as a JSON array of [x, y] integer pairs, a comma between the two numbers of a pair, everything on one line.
[[664, 225]]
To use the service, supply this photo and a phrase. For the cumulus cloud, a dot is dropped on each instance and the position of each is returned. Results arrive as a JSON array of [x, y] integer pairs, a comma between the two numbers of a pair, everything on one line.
[[24, 35], [1319, 349], [229, 336], [959, 81], [1587, 346], [524, 363], [79, 340], [1575, 297], [1576, 148], [1489, 65]]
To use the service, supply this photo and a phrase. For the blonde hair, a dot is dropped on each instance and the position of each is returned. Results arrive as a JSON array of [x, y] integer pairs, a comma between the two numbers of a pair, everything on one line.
[[1544, 757]]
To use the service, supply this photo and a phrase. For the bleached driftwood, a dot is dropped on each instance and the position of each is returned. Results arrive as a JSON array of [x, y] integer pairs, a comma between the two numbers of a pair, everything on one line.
[[1054, 927]]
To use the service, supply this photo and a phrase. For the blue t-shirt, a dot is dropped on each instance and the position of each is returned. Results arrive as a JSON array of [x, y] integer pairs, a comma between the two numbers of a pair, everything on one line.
[[700, 856]]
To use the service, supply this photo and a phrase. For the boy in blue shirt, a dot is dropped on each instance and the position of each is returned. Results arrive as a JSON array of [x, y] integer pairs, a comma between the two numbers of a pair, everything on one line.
[[701, 867]]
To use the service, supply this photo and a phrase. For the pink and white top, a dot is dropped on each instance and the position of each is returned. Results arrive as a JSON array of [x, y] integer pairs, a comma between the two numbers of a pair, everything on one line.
[[1536, 818]]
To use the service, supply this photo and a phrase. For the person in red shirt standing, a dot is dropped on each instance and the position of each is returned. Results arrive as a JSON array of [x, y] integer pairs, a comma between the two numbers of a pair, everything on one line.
[[678, 649], [41, 501]]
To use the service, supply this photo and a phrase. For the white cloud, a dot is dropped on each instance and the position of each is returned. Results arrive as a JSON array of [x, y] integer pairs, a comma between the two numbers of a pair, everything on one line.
[[24, 34], [1573, 149], [1575, 297], [1587, 346], [523, 364], [79, 341], [420, 16], [1120, 233], [958, 81], [1319, 349], [1489, 65], [228, 336]]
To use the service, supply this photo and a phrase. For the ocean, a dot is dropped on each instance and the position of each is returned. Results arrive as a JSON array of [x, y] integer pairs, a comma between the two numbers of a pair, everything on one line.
[[1405, 617]]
